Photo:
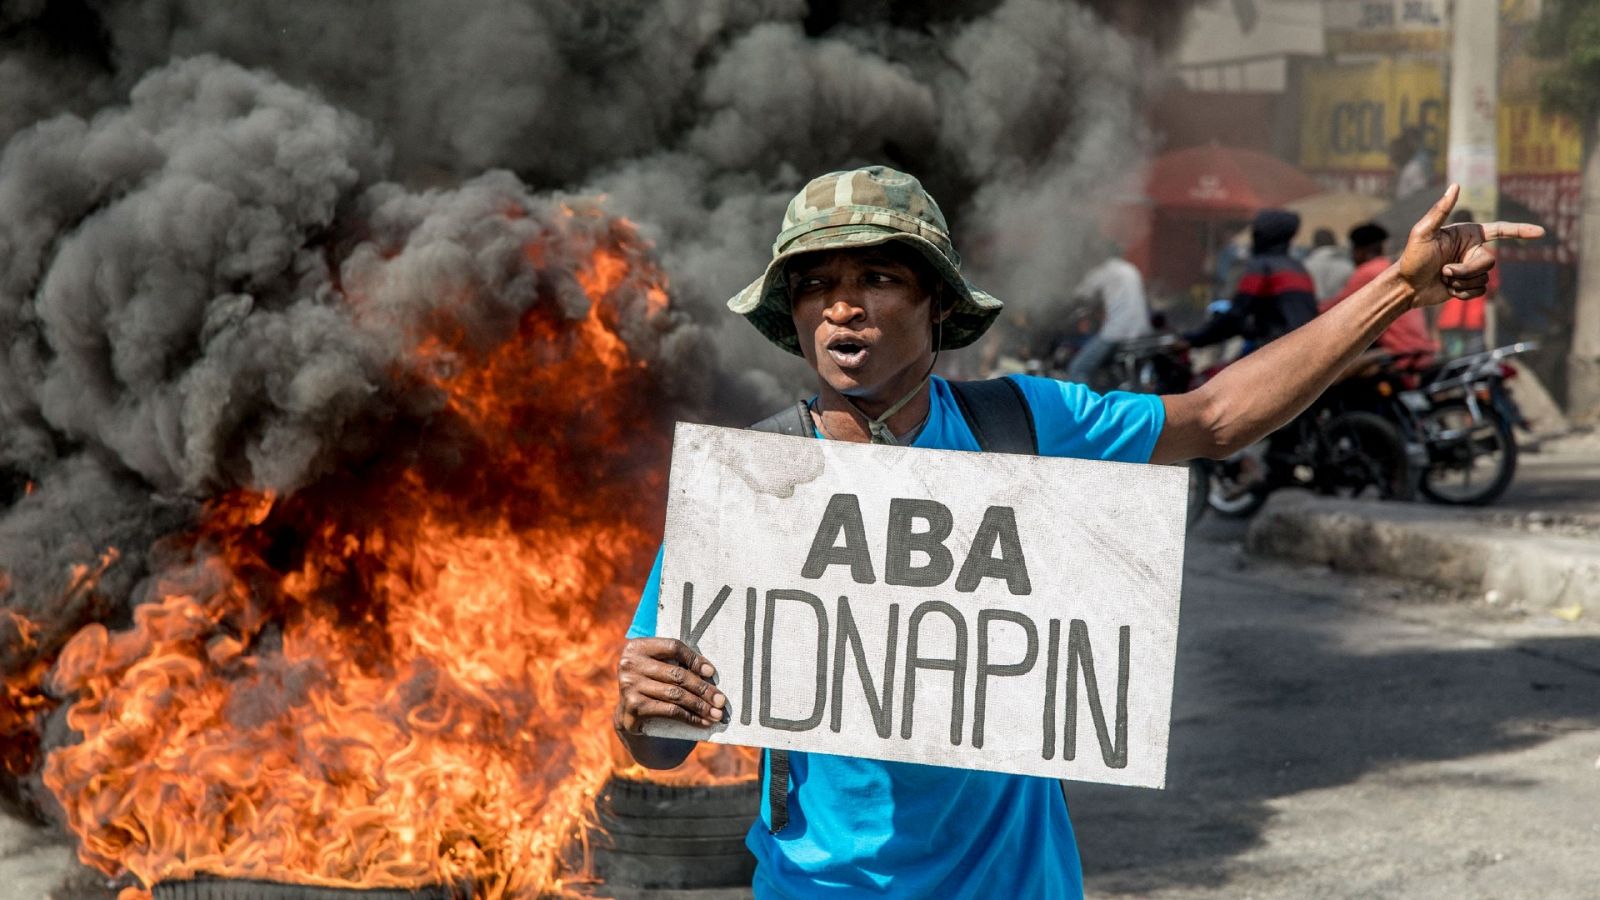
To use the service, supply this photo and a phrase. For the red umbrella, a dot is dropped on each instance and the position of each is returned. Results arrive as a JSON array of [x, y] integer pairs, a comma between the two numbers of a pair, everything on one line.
[[1218, 179]]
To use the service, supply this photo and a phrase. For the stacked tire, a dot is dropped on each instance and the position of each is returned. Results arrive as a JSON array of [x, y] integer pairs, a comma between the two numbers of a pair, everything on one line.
[[251, 889], [663, 836]]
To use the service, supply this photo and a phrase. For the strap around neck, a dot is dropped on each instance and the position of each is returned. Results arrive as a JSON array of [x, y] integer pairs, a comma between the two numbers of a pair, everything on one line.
[[878, 429]]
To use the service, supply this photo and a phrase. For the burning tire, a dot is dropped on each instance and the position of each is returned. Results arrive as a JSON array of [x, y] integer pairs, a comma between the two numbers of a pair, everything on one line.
[[250, 889], [675, 836]]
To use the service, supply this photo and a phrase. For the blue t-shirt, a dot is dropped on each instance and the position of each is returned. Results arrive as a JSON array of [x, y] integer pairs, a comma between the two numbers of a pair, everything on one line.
[[870, 828]]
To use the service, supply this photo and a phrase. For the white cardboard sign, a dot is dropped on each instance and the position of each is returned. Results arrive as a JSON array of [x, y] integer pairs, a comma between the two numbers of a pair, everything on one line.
[[983, 611]]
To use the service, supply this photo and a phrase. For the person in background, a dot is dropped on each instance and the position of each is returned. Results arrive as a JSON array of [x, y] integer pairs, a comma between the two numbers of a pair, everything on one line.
[[1406, 339], [1329, 265], [1227, 264], [1117, 285], [1275, 293], [1461, 326]]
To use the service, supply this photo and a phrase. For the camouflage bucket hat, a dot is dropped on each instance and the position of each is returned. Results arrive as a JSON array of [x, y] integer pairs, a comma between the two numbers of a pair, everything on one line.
[[863, 208]]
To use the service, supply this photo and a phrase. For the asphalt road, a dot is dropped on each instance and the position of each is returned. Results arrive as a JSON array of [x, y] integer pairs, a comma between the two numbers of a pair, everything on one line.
[[1336, 737], [1563, 479]]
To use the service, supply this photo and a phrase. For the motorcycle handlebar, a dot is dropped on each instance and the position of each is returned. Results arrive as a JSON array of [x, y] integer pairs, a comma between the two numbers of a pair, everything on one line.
[[1463, 366], [1460, 372]]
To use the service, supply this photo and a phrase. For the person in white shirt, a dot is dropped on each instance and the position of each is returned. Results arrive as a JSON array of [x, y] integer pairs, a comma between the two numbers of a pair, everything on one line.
[[1118, 286], [1328, 263]]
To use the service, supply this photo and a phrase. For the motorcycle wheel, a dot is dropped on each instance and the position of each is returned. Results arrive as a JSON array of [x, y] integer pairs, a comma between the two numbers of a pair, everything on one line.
[[1225, 498], [1468, 465], [1364, 450]]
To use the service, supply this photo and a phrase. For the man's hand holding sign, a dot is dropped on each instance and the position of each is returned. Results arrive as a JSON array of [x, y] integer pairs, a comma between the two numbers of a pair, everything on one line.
[[888, 608]]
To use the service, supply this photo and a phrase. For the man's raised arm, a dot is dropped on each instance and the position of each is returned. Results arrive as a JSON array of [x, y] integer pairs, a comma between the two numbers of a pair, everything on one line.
[[1261, 392]]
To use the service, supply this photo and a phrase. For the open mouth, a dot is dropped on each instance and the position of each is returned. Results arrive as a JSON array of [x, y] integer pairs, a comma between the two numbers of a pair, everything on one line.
[[847, 352]]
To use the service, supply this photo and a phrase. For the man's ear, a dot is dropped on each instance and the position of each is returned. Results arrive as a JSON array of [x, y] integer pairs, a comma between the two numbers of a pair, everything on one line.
[[942, 305]]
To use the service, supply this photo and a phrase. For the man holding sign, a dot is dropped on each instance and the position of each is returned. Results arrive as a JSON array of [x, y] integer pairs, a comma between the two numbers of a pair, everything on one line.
[[925, 631]]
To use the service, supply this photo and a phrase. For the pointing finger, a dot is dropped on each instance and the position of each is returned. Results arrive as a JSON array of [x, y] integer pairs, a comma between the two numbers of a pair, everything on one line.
[[1435, 217], [1521, 230]]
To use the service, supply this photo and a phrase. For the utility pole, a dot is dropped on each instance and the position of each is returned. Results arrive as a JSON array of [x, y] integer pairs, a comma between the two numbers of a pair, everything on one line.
[[1472, 161]]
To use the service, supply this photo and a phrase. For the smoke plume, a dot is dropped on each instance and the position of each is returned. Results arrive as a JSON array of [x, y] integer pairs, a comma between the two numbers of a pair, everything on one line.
[[223, 227]]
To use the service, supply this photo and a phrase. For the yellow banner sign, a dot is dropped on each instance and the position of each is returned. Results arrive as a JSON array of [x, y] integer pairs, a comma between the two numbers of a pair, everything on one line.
[[1353, 114], [1534, 142]]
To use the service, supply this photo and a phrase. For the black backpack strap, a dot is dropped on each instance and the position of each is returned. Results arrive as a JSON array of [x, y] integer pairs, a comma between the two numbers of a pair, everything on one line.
[[778, 789], [998, 414], [792, 420]]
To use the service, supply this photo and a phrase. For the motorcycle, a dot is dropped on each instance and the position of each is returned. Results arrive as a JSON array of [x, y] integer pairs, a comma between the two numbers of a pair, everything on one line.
[[1342, 445], [1146, 365], [1464, 415]]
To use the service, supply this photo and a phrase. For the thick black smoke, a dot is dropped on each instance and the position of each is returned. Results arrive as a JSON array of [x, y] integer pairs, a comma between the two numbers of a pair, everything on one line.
[[191, 192]]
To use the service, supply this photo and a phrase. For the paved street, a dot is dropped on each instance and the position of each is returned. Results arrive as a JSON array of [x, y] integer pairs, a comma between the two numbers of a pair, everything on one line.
[[1340, 737], [1563, 478]]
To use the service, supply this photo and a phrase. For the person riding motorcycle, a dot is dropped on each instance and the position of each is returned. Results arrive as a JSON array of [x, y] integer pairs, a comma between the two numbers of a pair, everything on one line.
[[1117, 287], [1275, 296], [1405, 345], [1275, 293]]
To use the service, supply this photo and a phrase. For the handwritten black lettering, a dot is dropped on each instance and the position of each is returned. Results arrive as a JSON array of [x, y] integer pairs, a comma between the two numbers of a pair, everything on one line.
[[841, 518], [999, 526], [956, 665], [985, 668], [1080, 657], [902, 541], [882, 709], [768, 720]]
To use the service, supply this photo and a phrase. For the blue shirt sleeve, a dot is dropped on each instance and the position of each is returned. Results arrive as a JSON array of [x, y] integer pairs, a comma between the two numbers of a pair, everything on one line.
[[644, 618], [1073, 421]]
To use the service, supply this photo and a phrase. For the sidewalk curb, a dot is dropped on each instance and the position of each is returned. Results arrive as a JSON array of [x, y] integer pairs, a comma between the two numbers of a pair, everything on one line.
[[1434, 544]]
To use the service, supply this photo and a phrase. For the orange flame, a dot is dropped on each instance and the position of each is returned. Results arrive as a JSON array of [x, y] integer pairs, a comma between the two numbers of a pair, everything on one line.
[[23, 700], [27, 631], [403, 675]]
